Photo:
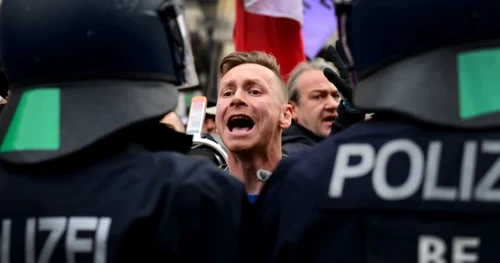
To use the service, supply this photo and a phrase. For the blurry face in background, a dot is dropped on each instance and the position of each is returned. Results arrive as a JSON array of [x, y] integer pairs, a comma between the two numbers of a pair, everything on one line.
[[251, 109], [318, 102], [209, 124]]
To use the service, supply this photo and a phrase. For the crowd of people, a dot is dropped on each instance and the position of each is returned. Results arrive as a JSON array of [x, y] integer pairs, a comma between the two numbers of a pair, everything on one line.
[[379, 154]]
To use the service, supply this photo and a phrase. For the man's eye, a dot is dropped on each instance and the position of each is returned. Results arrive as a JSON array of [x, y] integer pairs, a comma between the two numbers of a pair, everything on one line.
[[227, 93], [254, 92]]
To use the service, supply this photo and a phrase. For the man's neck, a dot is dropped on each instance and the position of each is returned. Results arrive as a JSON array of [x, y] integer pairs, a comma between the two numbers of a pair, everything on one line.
[[245, 166]]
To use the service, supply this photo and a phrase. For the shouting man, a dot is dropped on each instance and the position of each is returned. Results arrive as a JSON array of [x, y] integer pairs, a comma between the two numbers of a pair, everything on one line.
[[315, 100], [252, 112]]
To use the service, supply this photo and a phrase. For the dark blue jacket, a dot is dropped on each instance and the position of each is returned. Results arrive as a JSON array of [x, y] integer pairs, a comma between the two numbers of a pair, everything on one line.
[[126, 207], [382, 192]]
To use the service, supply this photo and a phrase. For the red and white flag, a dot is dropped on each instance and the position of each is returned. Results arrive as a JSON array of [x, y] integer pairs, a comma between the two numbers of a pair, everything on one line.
[[272, 26]]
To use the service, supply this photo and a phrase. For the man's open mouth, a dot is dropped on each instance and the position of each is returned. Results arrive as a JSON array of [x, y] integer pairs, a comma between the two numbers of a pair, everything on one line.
[[329, 119], [240, 123]]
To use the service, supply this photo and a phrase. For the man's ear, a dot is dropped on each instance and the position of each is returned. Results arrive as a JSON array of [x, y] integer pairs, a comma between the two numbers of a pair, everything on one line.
[[294, 110], [286, 117]]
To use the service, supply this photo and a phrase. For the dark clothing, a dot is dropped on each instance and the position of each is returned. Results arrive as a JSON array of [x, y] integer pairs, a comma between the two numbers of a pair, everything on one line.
[[252, 198], [131, 206], [345, 119], [297, 138], [385, 191]]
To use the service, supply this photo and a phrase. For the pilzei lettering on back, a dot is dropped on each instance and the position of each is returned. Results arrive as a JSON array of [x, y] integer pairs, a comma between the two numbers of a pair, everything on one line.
[[59, 229]]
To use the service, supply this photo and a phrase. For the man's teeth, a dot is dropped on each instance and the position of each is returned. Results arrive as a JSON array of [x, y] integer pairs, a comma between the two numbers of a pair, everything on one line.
[[240, 129]]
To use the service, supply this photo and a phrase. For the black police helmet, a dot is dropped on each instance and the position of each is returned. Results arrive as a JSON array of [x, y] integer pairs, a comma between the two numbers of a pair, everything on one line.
[[436, 61], [81, 70]]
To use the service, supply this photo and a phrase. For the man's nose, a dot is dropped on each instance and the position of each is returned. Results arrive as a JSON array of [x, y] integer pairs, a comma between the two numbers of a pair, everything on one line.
[[238, 99], [331, 103]]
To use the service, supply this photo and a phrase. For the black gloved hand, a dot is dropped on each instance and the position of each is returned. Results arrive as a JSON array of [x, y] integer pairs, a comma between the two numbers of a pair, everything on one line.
[[347, 114]]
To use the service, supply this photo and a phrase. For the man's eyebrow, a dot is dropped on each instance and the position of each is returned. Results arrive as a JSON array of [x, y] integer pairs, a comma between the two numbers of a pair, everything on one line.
[[320, 90], [325, 90]]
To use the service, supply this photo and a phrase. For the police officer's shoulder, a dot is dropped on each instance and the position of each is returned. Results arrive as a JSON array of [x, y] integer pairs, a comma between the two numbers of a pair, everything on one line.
[[359, 130], [284, 200], [376, 128], [307, 161], [299, 175], [282, 183], [275, 195], [278, 177], [185, 171]]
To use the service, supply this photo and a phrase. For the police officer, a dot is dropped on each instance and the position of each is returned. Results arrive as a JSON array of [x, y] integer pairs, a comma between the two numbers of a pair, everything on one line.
[[87, 172], [419, 183]]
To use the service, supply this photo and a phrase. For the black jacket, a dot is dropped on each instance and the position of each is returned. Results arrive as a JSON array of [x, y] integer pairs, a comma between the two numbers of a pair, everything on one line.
[[312, 211], [296, 138], [132, 204]]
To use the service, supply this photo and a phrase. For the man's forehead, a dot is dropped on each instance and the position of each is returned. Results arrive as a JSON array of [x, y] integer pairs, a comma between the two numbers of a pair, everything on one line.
[[241, 79], [312, 75], [248, 72], [314, 80]]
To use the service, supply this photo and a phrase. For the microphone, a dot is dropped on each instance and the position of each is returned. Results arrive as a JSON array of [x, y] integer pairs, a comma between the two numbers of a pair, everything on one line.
[[204, 147]]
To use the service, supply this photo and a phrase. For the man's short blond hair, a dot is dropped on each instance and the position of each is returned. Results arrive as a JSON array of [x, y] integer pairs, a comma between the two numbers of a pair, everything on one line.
[[255, 57]]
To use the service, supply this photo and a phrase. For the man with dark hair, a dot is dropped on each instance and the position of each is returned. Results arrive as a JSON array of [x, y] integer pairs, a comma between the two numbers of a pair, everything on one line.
[[88, 173]]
